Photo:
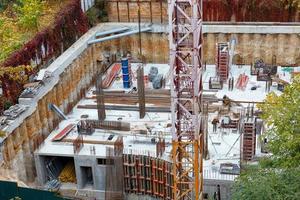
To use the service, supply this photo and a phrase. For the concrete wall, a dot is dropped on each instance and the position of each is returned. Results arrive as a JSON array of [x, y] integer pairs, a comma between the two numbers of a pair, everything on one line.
[[250, 46], [72, 74], [19, 146], [210, 187], [98, 171]]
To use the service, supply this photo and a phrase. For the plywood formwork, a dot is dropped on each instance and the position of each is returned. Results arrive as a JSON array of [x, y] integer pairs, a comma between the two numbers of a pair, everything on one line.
[[222, 61], [114, 182], [100, 98], [148, 176], [249, 139]]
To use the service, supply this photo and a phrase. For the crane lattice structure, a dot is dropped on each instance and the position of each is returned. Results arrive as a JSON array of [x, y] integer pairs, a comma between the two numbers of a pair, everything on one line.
[[185, 37]]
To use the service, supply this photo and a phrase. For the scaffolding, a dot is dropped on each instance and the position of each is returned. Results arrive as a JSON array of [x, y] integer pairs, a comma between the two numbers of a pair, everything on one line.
[[185, 37]]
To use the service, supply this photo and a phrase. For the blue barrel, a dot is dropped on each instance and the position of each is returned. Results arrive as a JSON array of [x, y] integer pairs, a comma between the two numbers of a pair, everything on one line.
[[126, 80], [126, 77], [126, 84], [125, 65]]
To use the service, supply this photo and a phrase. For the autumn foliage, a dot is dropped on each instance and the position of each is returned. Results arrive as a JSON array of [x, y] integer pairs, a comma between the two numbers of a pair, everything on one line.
[[251, 10], [69, 24]]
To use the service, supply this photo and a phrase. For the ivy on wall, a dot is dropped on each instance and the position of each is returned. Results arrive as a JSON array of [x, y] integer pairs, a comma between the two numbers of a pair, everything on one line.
[[69, 24], [251, 10]]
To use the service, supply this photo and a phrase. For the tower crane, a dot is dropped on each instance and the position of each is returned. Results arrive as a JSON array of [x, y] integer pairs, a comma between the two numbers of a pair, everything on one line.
[[185, 40]]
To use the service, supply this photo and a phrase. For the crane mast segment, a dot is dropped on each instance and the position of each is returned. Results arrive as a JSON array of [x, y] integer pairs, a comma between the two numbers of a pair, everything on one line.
[[185, 37]]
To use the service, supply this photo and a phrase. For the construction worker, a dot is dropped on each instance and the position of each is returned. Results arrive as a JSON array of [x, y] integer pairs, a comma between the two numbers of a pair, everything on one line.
[[226, 101], [215, 122]]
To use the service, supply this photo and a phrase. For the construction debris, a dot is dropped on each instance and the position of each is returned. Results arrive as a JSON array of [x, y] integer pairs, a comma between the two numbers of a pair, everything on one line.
[[14, 111]]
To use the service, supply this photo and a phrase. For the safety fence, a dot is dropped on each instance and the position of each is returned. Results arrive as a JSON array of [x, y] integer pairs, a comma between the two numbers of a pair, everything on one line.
[[11, 190]]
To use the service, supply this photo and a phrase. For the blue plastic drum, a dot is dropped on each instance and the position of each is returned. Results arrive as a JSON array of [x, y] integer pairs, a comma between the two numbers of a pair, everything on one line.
[[125, 64]]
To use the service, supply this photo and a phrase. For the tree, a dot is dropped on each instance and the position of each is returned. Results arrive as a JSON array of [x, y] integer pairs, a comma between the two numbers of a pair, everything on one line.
[[277, 177], [4, 4], [267, 184], [291, 5], [282, 115], [29, 13]]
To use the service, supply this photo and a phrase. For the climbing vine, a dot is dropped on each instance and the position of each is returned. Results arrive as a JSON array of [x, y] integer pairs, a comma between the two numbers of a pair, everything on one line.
[[251, 10], [69, 24], [19, 74]]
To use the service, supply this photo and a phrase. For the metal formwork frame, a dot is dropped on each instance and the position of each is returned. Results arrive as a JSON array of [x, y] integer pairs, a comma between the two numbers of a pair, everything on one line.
[[185, 37]]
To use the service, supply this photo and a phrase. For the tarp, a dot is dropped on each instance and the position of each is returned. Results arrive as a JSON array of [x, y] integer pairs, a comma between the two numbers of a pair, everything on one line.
[[10, 190]]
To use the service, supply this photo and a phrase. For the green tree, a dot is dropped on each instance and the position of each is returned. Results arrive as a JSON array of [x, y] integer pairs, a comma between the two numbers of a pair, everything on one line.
[[10, 38], [4, 4], [29, 13], [268, 184], [282, 116]]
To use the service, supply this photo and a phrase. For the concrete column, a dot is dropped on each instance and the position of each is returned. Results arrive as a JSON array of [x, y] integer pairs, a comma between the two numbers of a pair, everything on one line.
[[280, 48], [40, 169], [256, 47], [222, 38], [28, 156], [263, 47], [269, 47], [42, 105], [55, 101], [294, 50], [49, 113], [210, 48], [31, 128]]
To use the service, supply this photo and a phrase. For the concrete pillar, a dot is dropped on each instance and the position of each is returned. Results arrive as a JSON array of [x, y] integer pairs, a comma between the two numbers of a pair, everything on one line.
[[256, 47], [269, 47], [55, 101], [280, 48], [210, 49], [263, 47], [294, 50], [27, 155], [221, 37], [42, 105]]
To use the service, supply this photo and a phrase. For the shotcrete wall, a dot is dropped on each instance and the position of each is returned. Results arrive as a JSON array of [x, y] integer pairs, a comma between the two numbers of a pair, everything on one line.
[[19, 146], [285, 47], [155, 47]]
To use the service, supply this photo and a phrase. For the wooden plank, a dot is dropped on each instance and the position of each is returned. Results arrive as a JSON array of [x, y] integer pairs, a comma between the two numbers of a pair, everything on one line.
[[64, 132]]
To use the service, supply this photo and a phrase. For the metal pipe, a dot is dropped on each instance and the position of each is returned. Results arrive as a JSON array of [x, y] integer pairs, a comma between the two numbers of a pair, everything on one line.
[[118, 35], [98, 34], [56, 110]]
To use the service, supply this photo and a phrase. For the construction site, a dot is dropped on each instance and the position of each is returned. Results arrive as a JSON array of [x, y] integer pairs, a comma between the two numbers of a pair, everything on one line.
[[154, 104]]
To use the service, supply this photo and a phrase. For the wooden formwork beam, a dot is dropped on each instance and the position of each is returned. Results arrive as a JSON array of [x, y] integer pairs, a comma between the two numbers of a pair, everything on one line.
[[100, 98], [141, 91]]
